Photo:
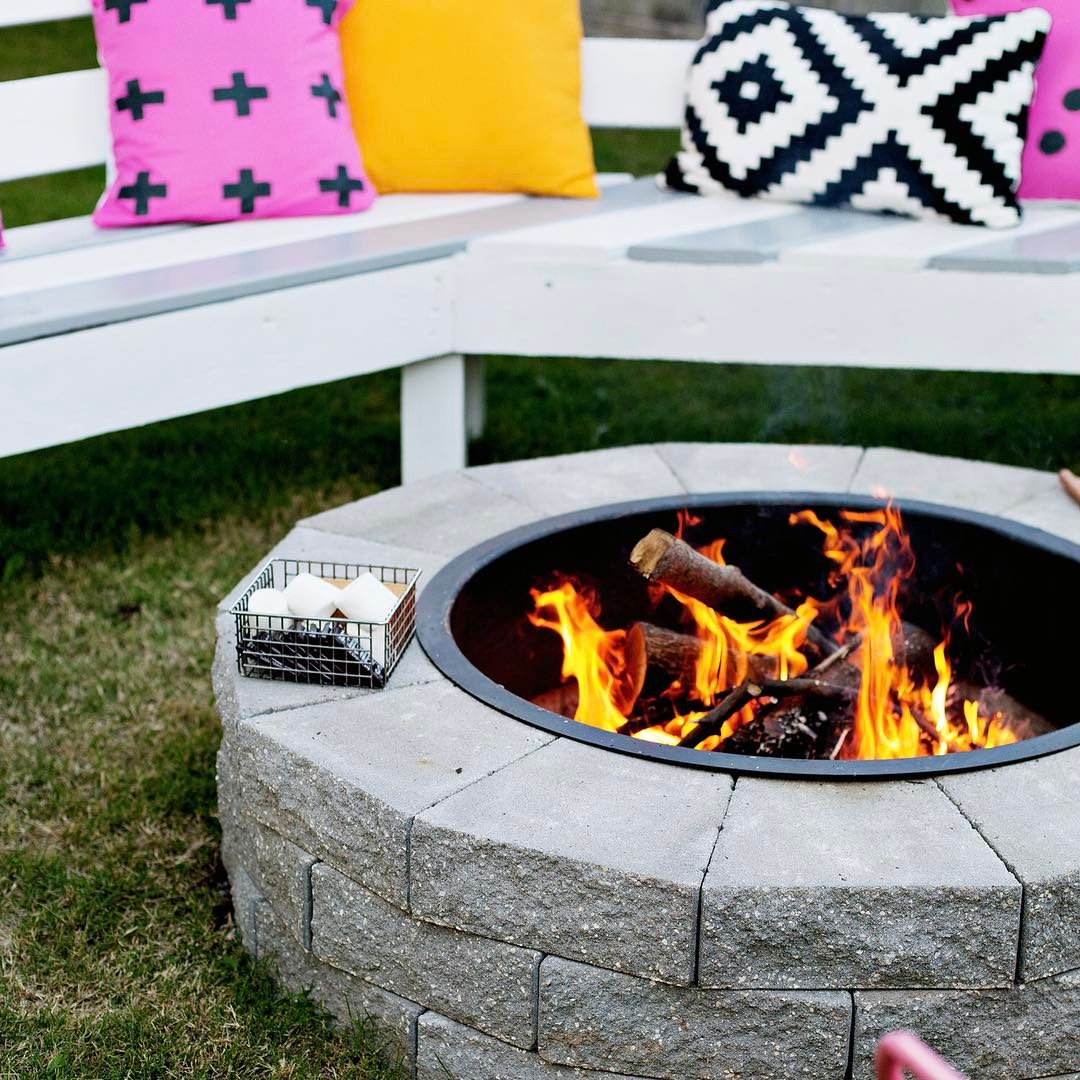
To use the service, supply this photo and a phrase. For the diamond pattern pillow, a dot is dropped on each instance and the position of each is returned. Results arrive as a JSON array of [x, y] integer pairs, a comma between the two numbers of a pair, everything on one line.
[[1051, 168], [899, 113], [227, 109]]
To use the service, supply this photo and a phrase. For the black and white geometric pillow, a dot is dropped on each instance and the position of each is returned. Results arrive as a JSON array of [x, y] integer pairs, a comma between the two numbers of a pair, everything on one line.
[[914, 115]]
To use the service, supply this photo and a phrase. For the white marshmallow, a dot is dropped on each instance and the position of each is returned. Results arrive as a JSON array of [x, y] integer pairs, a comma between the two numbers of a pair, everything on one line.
[[267, 602], [310, 597], [367, 599]]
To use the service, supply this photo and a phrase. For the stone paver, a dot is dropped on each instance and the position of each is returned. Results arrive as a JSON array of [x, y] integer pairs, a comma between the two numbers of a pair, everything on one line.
[[444, 514], [486, 984], [704, 467], [1030, 814], [449, 1050], [345, 779], [347, 998], [557, 485], [1032, 1030], [599, 1019], [973, 485], [566, 849], [845, 885], [1052, 511]]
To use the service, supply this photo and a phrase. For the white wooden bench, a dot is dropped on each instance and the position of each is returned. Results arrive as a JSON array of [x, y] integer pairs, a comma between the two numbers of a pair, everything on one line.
[[104, 330]]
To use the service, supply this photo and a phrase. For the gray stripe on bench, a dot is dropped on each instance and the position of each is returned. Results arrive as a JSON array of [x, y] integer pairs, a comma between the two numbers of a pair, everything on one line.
[[45, 312], [759, 241], [1056, 251], [56, 237]]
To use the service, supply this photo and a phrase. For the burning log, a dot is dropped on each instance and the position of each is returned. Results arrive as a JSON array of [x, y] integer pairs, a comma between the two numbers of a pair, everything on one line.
[[746, 692], [662, 558], [562, 700]]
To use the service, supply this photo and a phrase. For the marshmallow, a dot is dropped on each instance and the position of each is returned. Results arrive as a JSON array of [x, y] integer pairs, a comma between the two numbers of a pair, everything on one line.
[[267, 602], [367, 599], [310, 597]]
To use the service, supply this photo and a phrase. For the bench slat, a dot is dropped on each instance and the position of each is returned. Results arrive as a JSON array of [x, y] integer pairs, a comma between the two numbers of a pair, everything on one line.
[[20, 12], [759, 241], [1052, 251], [44, 312], [633, 83]]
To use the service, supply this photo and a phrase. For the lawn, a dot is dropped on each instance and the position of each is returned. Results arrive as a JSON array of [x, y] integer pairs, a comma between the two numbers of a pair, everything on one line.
[[117, 956]]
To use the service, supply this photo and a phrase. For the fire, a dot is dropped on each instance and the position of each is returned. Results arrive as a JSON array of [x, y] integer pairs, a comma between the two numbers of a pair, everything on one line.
[[907, 702]]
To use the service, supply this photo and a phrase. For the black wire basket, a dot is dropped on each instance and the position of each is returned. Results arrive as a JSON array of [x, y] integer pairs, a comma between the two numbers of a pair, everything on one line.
[[336, 651]]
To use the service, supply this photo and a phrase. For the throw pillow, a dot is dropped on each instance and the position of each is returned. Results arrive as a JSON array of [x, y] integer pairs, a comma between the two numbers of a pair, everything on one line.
[[922, 116], [469, 95], [227, 109], [1051, 168]]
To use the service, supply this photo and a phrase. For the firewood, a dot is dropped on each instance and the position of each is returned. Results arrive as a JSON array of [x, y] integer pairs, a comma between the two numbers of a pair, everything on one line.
[[662, 558], [562, 700]]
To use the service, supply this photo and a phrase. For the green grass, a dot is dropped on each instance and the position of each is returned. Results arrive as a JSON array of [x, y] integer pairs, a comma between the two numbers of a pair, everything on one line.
[[117, 956]]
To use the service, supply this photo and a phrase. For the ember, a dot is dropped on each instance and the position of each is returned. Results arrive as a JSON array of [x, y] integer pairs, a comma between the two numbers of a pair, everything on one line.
[[738, 669]]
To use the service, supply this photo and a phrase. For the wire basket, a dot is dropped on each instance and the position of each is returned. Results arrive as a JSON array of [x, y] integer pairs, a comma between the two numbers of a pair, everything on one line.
[[332, 652]]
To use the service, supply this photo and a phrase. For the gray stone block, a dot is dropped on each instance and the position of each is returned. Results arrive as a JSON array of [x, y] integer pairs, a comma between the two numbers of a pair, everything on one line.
[[443, 514], [599, 1019], [486, 984], [558, 485], [245, 899], [1053, 512], [844, 885], [1031, 1030], [576, 851], [1030, 814], [279, 869], [704, 467], [450, 1051], [345, 779], [348, 999], [974, 485]]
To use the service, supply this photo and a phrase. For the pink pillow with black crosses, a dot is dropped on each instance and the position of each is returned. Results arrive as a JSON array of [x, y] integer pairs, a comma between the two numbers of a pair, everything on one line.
[[227, 109], [1051, 164]]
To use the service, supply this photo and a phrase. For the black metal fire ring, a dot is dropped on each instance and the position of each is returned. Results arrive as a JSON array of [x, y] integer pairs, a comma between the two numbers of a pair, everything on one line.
[[436, 603]]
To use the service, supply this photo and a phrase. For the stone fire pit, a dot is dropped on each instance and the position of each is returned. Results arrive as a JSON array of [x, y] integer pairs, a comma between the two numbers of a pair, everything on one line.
[[511, 904]]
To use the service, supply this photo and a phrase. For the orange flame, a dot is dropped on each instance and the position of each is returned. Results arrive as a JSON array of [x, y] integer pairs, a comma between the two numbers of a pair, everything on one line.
[[899, 712]]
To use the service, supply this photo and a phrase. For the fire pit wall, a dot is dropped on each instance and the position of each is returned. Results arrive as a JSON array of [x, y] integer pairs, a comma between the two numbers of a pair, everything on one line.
[[508, 903]]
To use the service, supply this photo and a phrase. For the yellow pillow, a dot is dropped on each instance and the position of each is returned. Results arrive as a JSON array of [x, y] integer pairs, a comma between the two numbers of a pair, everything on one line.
[[469, 95]]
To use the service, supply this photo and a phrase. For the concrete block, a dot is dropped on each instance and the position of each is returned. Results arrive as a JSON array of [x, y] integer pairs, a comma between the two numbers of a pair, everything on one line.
[[704, 467], [447, 1049], [1030, 1030], [245, 899], [1029, 812], [973, 485], [348, 999], [845, 885], [598, 1019], [558, 485], [345, 779], [443, 514], [486, 984], [1052, 511], [576, 851]]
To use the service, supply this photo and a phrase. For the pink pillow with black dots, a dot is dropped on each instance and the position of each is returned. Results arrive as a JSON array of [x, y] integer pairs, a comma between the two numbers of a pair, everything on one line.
[[1051, 164], [227, 109]]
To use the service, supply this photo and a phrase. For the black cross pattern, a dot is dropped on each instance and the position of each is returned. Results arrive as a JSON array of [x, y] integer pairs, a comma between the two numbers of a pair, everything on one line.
[[123, 8], [326, 89], [241, 94], [142, 191], [228, 7], [343, 184], [327, 7], [247, 190], [136, 99]]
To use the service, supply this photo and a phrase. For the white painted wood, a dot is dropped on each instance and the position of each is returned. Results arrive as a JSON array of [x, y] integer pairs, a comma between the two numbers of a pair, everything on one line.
[[611, 235], [475, 396], [910, 245], [433, 430], [52, 123], [73, 386], [634, 83], [18, 12], [775, 313]]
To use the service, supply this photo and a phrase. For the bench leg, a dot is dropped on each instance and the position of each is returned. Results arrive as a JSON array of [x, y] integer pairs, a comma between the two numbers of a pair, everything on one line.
[[433, 434], [475, 397]]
